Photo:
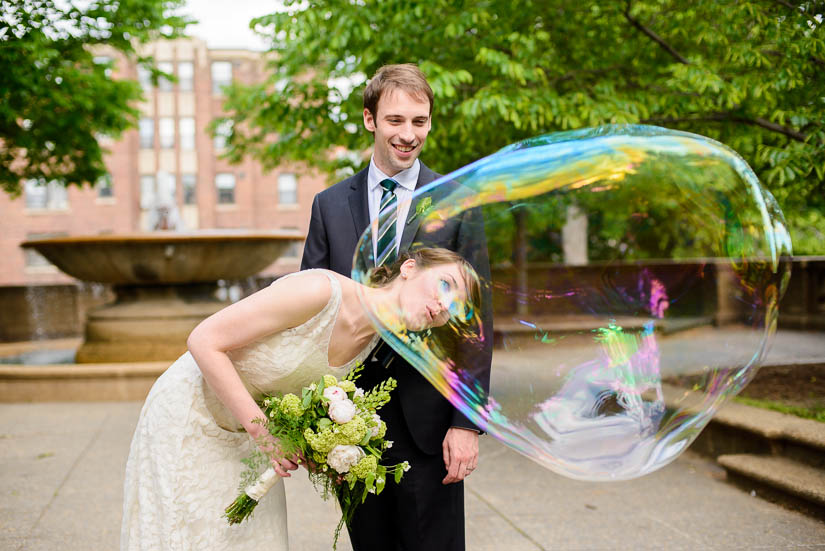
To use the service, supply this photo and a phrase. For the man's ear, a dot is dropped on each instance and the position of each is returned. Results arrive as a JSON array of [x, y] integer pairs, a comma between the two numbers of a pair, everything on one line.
[[369, 121]]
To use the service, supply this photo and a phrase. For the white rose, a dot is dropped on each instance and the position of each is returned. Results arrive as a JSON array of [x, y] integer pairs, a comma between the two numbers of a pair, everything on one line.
[[342, 411], [342, 458], [334, 393]]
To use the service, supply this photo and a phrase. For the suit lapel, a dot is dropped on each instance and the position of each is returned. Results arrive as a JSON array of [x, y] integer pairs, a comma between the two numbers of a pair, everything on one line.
[[359, 202], [425, 176]]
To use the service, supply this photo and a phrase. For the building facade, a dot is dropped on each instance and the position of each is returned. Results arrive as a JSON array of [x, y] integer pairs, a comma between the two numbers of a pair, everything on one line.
[[171, 156]]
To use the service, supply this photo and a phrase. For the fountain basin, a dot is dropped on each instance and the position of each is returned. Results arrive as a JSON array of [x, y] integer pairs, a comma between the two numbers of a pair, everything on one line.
[[165, 257], [165, 283]]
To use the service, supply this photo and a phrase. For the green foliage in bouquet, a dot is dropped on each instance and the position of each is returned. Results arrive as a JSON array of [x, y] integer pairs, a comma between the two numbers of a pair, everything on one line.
[[334, 426]]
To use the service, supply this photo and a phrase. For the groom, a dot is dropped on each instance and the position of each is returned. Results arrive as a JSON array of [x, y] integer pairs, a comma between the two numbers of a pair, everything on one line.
[[426, 510]]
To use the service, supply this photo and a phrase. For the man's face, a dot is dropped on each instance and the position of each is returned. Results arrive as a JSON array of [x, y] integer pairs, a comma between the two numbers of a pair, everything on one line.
[[400, 125]]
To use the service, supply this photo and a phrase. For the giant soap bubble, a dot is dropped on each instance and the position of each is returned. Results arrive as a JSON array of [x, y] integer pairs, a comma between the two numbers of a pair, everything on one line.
[[635, 276]]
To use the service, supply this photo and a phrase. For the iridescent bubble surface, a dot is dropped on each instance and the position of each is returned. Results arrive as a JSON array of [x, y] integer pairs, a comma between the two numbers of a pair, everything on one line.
[[634, 284]]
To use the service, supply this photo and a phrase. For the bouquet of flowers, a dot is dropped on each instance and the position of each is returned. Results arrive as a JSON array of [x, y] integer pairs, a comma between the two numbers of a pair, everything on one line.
[[334, 426]]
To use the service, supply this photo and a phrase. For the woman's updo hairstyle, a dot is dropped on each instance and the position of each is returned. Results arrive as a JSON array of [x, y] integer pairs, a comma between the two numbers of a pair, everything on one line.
[[424, 258]]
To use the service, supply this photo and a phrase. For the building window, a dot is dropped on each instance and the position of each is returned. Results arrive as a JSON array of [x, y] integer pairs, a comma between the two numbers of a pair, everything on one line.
[[225, 182], [190, 184], [221, 76], [222, 131], [144, 77], [167, 132], [147, 191], [287, 189], [104, 186], [186, 128], [166, 189], [164, 83], [186, 74], [147, 133], [42, 195]]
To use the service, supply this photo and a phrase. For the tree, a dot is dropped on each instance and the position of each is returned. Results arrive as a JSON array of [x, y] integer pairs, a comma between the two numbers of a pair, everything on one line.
[[55, 97], [747, 73]]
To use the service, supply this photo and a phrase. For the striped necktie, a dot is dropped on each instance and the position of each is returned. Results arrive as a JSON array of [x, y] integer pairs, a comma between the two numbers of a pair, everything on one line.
[[386, 232]]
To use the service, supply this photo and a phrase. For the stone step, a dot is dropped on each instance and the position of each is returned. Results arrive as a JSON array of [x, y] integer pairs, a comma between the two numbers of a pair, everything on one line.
[[799, 482], [738, 428]]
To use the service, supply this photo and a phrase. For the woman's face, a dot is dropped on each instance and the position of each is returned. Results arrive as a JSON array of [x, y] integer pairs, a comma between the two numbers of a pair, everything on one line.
[[429, 297]]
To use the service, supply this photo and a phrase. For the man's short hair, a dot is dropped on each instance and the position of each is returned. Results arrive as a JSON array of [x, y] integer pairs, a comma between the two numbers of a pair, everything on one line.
[[406, 76]]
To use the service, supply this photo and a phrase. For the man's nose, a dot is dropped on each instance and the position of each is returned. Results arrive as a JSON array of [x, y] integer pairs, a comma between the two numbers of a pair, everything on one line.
[[407, 133]]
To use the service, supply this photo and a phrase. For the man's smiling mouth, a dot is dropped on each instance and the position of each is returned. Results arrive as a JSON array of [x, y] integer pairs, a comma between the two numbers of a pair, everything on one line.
[[403, 148]]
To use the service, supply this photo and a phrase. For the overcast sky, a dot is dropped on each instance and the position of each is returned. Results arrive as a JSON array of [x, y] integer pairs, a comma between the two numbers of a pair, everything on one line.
[[225, 24]]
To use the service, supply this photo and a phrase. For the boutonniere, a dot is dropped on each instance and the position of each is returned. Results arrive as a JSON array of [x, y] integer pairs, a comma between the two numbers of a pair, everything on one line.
[[422, 208]]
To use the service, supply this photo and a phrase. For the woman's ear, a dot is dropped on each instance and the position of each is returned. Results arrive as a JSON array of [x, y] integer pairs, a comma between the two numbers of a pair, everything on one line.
[[407, 267]]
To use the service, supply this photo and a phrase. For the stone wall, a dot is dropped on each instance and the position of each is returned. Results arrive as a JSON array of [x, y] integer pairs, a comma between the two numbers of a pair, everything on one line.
[[803, 306]]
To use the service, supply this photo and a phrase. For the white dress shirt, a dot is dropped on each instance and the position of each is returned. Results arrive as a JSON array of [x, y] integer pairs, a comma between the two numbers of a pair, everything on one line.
[[403, 192]]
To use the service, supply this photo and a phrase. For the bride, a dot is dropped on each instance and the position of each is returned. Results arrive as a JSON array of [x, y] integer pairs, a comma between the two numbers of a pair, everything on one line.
[[197, 422]]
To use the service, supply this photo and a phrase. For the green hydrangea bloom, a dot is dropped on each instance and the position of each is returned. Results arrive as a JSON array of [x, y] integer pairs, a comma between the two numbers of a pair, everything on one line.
[[330, 380], [291, 405], [365, 467], [382, 430], [354, 430], [347, 385], [322, 441]]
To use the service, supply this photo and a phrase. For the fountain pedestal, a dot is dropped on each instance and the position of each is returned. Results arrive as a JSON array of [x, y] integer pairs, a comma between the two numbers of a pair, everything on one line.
[[165, 284], [146, 323]]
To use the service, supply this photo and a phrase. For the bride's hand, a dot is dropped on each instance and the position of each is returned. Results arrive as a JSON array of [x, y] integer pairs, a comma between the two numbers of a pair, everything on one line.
[[279, 460]]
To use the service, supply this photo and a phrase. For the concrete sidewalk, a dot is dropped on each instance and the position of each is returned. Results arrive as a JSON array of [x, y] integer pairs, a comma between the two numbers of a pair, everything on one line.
[[62, 468]]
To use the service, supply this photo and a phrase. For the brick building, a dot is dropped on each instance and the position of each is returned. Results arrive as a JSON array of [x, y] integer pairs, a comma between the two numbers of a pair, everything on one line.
[[170, 153]]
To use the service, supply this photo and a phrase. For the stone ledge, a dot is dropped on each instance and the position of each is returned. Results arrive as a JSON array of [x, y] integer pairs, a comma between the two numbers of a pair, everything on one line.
[[78, 382], [784, 474], [770, 425], [82, 371]]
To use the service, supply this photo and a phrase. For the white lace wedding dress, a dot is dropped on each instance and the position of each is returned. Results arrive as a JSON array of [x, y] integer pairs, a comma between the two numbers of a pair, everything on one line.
[[184, 464]]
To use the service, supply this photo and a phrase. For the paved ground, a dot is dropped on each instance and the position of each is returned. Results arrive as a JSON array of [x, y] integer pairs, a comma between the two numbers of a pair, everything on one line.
[[61, 470]]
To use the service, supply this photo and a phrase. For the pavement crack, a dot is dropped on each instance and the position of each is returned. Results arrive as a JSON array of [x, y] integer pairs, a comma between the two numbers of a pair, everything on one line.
[[77, 461], [512, 524]]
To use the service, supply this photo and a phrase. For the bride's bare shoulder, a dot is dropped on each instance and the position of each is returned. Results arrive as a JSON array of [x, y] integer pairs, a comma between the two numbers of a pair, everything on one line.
[[310, 286]]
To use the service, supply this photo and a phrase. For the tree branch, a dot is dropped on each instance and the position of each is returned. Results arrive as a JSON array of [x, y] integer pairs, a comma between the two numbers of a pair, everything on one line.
[[728, 117], [655, 37]]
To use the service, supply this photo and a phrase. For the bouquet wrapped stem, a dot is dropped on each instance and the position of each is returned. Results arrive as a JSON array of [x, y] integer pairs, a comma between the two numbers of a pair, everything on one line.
[[245, 503], [334, 426]]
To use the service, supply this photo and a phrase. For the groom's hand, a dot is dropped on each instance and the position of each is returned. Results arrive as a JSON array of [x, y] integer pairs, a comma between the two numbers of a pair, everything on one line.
[[460, 449]]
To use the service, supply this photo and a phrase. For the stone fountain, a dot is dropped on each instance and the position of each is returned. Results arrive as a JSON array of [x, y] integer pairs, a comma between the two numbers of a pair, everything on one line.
[[165, 283]]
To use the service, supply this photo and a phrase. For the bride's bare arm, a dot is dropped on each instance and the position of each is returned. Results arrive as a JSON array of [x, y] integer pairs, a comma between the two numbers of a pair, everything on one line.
[[285, 304]]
